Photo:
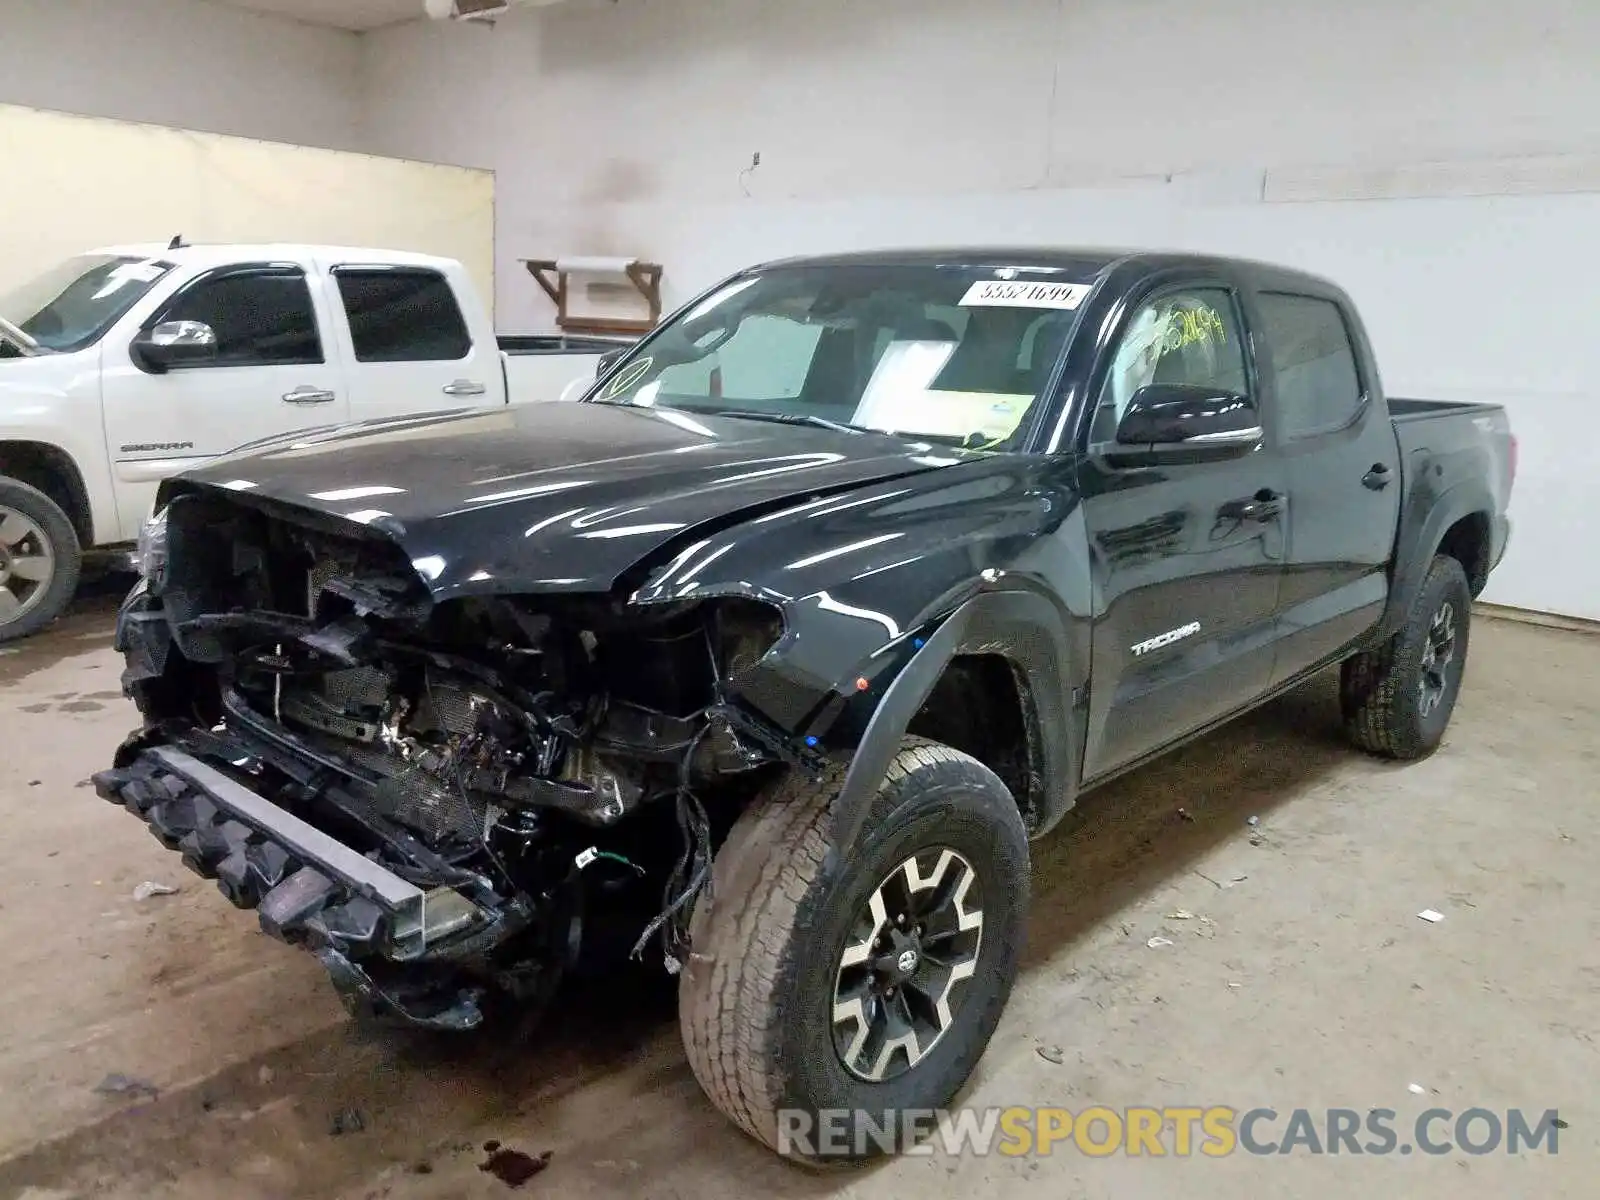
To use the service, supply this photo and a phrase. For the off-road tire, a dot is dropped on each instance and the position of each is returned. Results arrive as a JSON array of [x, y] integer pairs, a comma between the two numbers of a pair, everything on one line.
[[1379, 692], [57, 530], [756, 997]]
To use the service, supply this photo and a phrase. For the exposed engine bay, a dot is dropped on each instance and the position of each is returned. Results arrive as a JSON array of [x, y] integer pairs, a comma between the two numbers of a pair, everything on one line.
[[550, 773]]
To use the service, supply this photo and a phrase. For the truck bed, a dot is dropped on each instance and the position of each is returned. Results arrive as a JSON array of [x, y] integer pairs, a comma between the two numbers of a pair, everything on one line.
[[1423, 410], [558, 343], [544, 367], [1451, 449]]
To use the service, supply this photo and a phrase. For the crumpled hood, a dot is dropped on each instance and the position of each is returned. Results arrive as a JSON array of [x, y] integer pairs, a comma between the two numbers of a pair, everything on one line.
[[554, 497]]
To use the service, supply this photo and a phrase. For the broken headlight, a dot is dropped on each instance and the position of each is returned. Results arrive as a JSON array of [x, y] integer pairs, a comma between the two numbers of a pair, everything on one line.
[[152, 552]]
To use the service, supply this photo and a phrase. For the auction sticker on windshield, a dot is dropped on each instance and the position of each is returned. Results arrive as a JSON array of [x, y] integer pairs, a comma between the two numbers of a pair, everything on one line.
[[999, 293]]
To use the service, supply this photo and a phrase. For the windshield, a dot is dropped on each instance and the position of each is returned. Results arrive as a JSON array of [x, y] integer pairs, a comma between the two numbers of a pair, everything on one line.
[[957, 355], [71, 305]]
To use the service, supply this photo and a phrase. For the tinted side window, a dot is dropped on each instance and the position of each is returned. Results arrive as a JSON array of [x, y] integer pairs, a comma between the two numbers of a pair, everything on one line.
[[1186, 336], [1318, 386], [403, 316], [262, 317]]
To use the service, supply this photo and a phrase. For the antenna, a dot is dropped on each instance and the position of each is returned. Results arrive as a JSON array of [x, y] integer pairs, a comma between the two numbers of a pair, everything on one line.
[[176, 243]]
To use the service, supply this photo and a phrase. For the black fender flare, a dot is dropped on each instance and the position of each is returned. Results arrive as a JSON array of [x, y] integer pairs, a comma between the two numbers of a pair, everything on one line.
[[1415, 552], [1025, 628]]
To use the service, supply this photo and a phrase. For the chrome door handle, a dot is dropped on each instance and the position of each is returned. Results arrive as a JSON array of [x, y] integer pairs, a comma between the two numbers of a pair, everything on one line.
[[308, 395], [464, 387], [1263, 506]]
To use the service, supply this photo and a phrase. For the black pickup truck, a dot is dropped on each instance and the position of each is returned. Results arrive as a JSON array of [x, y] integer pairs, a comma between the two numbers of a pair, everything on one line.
[[764, 663]]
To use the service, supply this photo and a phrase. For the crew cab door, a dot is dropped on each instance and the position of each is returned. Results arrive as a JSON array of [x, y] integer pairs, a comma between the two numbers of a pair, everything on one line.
[[414, 341], [1187, 558], [1343, 477], [271, 373]]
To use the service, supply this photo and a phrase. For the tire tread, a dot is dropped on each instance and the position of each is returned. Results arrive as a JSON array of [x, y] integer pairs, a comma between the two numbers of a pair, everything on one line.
[[732, 1008], [1380, 716], [69, 555]]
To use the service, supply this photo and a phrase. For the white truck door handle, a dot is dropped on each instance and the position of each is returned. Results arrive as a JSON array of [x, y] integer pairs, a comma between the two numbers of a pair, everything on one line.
[[464, 387], [308, 395]]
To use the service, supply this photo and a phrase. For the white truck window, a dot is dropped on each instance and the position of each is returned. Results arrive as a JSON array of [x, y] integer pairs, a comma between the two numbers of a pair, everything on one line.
[[262, 316], [402, 315], [71, 306]]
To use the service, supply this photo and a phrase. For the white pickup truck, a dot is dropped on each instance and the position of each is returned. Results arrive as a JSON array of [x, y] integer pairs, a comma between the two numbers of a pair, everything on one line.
[[131, 363]]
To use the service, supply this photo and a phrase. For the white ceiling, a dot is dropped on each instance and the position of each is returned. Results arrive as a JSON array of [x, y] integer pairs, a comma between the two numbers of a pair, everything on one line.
[[340, 14]]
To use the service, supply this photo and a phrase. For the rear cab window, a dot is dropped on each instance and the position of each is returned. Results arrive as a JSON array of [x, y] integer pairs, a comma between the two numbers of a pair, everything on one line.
[[402, 314]]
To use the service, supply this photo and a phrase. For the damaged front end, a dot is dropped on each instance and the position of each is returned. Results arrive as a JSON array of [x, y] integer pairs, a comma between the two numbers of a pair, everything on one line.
[[453, 804]]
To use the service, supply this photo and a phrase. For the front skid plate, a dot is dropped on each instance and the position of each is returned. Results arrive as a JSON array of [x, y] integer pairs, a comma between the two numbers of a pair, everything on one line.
[[308, 888]]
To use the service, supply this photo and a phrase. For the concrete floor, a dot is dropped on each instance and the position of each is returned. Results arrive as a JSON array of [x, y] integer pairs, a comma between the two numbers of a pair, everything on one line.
[[1309, 982]]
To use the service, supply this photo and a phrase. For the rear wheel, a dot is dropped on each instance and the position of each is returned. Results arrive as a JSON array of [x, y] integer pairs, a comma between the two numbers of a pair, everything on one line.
[[39, 560], [1397, 699], [829, 995]]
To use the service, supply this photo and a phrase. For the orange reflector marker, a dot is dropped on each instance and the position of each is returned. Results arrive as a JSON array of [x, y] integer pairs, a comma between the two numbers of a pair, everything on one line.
[[862, 684]]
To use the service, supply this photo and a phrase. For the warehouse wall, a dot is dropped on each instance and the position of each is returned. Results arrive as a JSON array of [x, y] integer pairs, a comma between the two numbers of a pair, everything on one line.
[[184, 63], [589, 105], [215, 188]]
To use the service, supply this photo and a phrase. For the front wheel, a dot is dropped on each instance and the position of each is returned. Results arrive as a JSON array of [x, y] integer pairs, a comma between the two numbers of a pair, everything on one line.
[[39, 560], [830, 997], [1397, 699]]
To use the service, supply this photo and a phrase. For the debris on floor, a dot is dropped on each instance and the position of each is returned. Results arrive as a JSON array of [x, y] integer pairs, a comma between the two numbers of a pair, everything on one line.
[[1181, 914], [1416, 1089], [1157, 942], [1051, 1054], [1431, 916], [150, 888], [265, 1075], [126, 1085], [512, 1167], [347, 1120]]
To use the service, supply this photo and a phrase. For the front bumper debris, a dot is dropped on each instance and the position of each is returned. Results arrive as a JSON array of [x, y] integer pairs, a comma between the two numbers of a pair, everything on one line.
[[308, 888]]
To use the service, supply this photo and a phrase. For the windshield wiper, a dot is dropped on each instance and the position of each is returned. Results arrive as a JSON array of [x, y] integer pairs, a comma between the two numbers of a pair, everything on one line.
[[794, 419]]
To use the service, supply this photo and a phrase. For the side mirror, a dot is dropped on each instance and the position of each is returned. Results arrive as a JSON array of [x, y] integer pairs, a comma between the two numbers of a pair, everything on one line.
[[174, 343], [609, 360], [1183, 423]]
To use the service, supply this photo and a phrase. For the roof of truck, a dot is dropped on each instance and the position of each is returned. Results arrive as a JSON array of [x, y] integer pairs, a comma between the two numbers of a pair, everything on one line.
[[1086, 259], [224, 253], [1080, 263]]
